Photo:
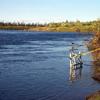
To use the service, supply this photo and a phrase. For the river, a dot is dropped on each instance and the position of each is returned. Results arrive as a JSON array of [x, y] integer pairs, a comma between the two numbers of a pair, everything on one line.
[[35, 66]]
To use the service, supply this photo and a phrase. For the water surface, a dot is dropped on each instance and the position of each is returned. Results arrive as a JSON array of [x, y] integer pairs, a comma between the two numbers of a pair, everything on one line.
[[35, 66]]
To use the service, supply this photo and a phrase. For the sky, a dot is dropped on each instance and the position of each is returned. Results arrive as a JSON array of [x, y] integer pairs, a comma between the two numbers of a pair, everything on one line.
[[44, 11]]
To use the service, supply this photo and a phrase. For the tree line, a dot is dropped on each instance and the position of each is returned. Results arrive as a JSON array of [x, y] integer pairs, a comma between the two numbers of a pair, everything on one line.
[[67, 26]]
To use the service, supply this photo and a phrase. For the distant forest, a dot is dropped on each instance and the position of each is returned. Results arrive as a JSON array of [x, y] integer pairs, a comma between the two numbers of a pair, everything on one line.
[[67, 26]]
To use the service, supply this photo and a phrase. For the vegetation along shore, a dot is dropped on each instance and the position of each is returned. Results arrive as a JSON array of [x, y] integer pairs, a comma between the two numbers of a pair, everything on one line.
[[67, 26], [93, 45]]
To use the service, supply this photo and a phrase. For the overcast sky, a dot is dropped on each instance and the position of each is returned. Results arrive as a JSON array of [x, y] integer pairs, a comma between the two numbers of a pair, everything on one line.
[[49, 10]]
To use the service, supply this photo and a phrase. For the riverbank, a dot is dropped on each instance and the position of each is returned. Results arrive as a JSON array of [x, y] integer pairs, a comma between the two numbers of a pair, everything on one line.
[[94, 96], [95, 44]]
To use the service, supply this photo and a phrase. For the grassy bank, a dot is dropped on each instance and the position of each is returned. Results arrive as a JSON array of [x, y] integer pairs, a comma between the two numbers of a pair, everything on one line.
[[94, 44]]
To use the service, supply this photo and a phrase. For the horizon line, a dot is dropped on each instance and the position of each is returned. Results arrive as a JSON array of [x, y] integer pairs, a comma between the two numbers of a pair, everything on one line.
[[47, 22]]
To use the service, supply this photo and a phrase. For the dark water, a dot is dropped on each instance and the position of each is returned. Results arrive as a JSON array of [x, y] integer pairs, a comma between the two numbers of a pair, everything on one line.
[[34, 66]]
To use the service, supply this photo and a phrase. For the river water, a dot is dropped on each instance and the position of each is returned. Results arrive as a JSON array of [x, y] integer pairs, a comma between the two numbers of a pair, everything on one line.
[[35, 66]]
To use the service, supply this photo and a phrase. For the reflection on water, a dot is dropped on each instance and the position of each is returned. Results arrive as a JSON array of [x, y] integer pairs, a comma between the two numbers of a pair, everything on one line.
[[75, 74]]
